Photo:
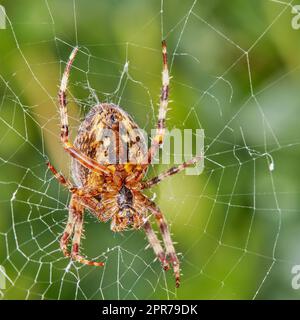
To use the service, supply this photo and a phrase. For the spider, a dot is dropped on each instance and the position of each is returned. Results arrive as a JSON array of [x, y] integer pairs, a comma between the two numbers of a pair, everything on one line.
[[114, 191]]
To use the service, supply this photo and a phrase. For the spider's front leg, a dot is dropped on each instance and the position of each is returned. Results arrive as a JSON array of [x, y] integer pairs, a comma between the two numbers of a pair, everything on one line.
[[163, 226], [170, 250], [155, 244], [161, 123], [75, 224], [64, 240]]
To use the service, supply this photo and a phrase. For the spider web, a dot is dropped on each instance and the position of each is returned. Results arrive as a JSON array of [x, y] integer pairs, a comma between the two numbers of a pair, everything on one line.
[[235, 74]]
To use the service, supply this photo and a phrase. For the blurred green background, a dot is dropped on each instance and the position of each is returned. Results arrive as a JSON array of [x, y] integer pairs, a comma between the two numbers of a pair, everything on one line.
[[235, 70]]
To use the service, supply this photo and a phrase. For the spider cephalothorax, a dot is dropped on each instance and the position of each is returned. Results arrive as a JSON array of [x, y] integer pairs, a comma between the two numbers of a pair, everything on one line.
[[109, 162]]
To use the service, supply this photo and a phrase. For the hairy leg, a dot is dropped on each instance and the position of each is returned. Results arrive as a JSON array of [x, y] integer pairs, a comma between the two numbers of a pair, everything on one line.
[[155, 244], [61, 179], [161, 125], [169, 172], [170, 250], [74, 209], [68, 146], [87, 192], [76, 244], [75, 225], [163, 226], [163, 107]]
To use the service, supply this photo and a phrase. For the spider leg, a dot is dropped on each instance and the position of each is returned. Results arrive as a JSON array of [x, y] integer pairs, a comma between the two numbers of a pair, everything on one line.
[[163, 226], [161, 124], [69, 228], [68, 146], [75, 224], [76, 244], [169, 172], [88, 192], [163, 107], [155, 244], [170, 250], [85, 195], [61, 179]]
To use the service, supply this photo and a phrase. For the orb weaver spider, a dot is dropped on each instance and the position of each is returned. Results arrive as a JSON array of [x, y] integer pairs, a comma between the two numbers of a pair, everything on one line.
[[114, 191]]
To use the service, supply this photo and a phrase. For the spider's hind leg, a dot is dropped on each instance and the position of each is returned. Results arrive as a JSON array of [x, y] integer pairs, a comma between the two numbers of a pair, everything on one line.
[[64, 135], [59, 177], [163, 107]]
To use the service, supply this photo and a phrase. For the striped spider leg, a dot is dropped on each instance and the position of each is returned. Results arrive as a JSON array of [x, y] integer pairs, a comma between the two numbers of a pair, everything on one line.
[[166, 236], [68, 146], [79, 200]]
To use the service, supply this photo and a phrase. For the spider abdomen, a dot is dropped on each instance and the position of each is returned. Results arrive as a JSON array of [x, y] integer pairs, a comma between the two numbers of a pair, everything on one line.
[[111, 137]]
